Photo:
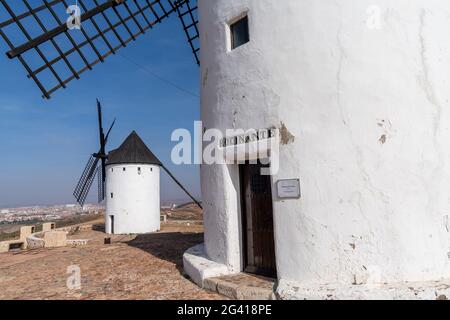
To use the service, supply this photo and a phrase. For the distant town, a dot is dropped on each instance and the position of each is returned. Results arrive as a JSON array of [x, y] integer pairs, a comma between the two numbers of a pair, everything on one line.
[[61, 212], [46, 213]]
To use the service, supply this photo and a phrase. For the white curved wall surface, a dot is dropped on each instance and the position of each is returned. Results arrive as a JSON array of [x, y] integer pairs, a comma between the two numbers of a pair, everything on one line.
[[369, 110], [133, 198]]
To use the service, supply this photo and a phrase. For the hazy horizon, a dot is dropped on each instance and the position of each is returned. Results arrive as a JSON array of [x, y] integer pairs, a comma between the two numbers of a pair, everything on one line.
[[178, 201]]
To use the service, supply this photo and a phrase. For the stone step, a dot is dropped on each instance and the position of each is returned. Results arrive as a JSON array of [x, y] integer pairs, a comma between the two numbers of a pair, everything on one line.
[[242, 286]]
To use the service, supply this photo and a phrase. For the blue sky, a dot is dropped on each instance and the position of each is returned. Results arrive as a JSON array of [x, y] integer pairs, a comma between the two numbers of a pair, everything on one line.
[[44, 144]]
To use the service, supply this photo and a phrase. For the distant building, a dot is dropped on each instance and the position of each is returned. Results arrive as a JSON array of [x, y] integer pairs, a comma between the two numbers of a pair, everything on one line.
[[132, 189]]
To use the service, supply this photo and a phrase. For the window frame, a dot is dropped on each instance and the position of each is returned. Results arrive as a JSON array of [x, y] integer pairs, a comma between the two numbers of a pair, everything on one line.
[[232, 24]]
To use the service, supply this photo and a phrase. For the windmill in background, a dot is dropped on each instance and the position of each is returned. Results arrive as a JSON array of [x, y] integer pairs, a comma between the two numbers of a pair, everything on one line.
[[55, 55], [96, 165]]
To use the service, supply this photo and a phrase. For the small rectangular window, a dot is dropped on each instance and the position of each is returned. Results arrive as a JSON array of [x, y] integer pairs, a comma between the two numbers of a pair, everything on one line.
[[124, 169], [239, 33], [139, 170], [112, 195]]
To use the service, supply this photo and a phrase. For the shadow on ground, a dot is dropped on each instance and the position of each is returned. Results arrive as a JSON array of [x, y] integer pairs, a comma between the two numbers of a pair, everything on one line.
[[167, 246], [99, 227]]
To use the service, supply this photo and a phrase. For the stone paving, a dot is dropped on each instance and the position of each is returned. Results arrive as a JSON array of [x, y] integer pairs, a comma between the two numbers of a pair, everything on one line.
[[131, 267]]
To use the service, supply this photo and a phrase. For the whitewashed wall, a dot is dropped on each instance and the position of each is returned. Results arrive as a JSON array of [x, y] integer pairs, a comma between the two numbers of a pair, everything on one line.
[[135, 204], [365, 118]]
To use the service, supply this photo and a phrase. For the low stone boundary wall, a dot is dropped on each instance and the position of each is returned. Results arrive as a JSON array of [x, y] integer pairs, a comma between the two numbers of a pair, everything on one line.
[[37, 240], [21, 243], [33, 242], [55, 239], [4, 246]]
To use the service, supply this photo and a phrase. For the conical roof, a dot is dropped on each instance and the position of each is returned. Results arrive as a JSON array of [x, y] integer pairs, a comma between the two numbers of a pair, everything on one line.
[[132, 150]]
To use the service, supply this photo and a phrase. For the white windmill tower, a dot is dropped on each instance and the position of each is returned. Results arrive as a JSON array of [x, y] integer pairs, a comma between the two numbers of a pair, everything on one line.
[[358, 92], [129, 178], [132, 188]]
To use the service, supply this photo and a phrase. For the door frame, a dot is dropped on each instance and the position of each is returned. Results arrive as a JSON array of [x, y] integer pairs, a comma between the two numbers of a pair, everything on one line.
[[244, 235], [111, 223], [244, 223]]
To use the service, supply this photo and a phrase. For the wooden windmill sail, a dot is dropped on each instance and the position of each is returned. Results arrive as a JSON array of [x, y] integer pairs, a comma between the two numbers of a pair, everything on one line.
[[38, 33], [95, 166]]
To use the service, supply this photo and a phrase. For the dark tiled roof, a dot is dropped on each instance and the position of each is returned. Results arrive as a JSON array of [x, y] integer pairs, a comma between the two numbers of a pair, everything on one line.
[[132, 150]]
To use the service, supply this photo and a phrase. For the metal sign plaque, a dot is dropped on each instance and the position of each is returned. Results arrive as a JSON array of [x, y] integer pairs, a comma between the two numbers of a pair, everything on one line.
[[288, 189]]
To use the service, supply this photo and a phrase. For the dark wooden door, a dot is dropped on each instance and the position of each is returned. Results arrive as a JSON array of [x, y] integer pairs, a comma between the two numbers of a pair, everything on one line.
[[257, 219], [112, 224]]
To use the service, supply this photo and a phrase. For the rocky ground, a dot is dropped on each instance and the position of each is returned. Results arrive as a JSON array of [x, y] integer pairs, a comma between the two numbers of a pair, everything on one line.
[[131, 267]]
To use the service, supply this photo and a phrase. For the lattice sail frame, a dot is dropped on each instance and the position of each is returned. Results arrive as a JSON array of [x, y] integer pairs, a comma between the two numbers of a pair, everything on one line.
[[91, 170], [96, 165], [37, 34]]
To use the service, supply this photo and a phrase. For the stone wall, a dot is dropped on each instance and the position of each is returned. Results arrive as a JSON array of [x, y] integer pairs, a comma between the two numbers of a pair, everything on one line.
[[33, 242], [49, 237]]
